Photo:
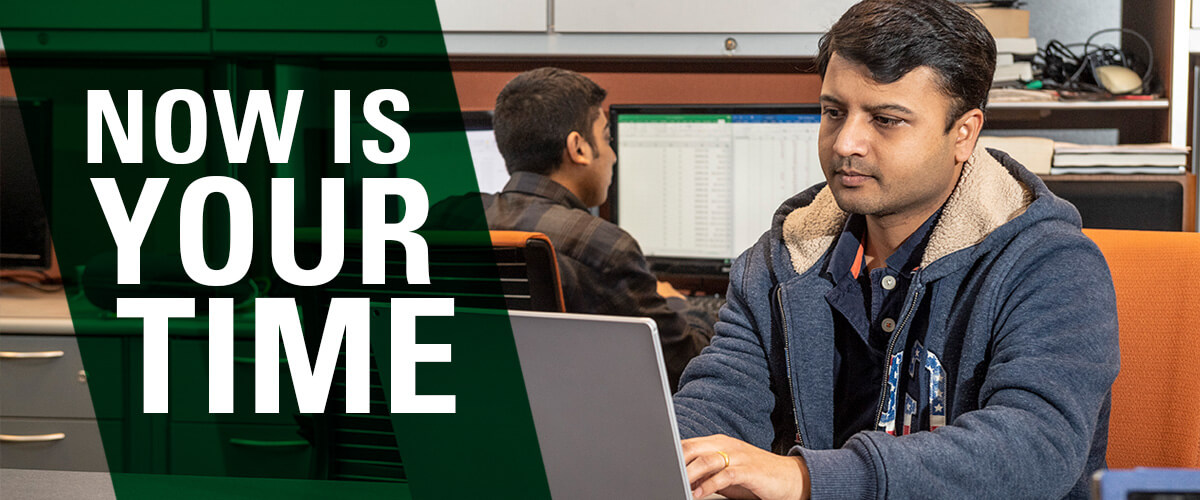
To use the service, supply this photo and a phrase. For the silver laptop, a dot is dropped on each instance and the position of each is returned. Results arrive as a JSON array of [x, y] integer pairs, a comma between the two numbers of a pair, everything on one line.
[[601, 407]]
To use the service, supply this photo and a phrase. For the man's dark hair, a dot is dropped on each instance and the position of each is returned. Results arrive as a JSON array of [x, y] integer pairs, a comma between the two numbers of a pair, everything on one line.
[[894, 37], [536, 112]]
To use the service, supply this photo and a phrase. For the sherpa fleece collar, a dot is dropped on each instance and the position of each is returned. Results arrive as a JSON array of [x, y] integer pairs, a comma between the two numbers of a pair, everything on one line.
[[987, 196]]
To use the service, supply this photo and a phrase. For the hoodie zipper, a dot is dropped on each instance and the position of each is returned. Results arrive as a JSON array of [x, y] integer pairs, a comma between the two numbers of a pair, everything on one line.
[[787, 348], [883, 389]]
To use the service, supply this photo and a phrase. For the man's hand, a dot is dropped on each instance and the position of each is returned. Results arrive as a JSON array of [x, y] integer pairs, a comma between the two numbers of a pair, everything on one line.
[[667, 291], [749, 473]]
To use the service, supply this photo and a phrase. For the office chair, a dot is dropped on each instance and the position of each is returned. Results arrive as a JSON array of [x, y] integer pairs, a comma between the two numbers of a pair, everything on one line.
[[529, 267], [515, 270], [1155, 418], [461, 265]]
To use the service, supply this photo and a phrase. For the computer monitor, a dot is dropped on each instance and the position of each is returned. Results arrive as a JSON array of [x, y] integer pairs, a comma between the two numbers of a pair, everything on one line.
[[429, 127], [24, 149], [490, 168], [697, 185]]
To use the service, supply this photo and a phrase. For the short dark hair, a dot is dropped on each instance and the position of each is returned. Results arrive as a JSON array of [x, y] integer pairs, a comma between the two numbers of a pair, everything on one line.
[[536, 112], [894, 37]]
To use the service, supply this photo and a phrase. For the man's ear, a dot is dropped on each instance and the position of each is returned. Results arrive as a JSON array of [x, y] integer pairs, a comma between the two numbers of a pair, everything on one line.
[[578, 149], [966, 133]]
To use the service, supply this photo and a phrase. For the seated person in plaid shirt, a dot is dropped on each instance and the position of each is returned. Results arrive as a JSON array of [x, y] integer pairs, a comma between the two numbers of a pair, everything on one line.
[[555, 141]]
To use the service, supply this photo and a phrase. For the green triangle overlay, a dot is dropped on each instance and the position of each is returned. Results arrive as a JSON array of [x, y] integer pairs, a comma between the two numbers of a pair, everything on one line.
[[58, 50]]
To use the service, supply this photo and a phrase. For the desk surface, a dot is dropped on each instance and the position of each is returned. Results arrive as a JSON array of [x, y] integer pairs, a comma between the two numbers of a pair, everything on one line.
[[53, 485], [29, 484], [26, 310]]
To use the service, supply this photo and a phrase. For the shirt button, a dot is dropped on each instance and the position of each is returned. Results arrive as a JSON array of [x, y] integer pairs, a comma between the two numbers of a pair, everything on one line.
[[888, 324], [888, 282]]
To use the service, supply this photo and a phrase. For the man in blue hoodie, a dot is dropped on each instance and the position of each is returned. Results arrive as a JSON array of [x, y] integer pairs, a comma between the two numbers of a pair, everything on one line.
[[930, 322]]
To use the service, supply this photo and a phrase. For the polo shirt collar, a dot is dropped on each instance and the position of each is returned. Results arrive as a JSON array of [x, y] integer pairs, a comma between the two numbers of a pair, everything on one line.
[[846, 262]]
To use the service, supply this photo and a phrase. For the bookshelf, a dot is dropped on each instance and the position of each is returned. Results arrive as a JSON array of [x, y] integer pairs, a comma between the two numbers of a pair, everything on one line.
[[1167, 24], [1082, 105]]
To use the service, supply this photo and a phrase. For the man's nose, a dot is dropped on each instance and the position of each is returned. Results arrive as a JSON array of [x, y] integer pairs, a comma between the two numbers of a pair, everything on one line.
[[853, 137]]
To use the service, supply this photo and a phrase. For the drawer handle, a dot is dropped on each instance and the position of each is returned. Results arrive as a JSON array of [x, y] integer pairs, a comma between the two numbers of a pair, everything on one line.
[[254, 443], [33, 438], [30, 355]]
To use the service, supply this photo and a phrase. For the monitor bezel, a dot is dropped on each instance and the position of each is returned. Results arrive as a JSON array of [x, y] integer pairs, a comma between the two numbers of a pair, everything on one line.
[[34, 116], [477, 120]]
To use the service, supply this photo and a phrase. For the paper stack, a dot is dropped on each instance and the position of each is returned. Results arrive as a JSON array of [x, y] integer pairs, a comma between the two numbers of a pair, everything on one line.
[[1035, 153], [1014, 47], [1158, 158]]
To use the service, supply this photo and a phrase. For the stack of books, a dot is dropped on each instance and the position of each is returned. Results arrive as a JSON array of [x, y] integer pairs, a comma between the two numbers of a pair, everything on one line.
[[1015, 49], [1124, 159]]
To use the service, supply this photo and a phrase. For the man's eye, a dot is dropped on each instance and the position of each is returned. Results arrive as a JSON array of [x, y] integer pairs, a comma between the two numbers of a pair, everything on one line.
[[887, 122], [832, 112]]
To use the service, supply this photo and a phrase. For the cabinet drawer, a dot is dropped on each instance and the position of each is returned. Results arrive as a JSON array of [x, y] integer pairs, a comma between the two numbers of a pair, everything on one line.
[[28, 443], [43, 376], [82, 14], [266, 15], [189, 386], [239, 450]]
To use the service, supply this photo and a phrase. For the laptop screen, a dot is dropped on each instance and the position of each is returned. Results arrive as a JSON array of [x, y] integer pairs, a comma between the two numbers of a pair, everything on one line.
[[697, 185]]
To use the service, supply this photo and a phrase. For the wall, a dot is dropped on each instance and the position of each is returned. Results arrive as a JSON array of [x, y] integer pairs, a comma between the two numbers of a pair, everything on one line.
[[1071, 21], [652, 82]]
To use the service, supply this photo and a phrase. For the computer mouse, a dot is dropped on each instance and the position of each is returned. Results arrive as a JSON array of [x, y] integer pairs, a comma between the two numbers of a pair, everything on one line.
[[1119, 79]]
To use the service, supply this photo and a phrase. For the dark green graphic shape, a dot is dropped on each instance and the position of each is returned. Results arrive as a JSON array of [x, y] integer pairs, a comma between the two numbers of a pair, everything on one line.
[[59, 49]]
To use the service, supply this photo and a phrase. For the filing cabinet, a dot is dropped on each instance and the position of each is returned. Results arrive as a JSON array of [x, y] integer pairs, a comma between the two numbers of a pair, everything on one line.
[[46, 413], [48, 419], [55, 443], [242, 443], [238, 450]]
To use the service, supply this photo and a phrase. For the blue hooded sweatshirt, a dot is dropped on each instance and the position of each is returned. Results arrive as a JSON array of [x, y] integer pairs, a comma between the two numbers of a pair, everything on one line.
[[1016, 318]]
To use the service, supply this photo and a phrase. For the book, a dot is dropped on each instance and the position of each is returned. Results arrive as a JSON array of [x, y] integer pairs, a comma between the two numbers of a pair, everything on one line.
[[1035, 153], [1153, 148], [1098, 170], [1128, 155], [1022, 46], [1022, 71], [1120, 160], [1004, 58]]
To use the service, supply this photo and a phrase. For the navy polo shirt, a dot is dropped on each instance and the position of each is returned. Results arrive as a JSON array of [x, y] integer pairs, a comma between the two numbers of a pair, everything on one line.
[[866, 307]]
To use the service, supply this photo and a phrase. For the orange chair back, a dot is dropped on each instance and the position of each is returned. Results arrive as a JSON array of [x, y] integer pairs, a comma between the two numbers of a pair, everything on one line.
[[1156, 399], [541, 267]]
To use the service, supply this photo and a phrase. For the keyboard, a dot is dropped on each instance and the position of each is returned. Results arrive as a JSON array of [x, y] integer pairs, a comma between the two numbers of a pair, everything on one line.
[[710, 304]]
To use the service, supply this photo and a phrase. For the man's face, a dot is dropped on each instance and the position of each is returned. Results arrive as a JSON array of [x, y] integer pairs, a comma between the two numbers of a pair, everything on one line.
[[603, 158], [884, 147]]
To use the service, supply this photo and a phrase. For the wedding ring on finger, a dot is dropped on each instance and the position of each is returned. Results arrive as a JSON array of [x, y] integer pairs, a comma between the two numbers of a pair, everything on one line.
[[724, 457]]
